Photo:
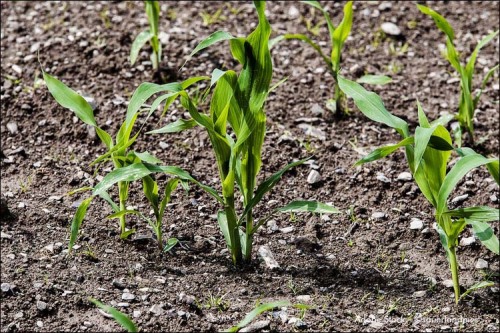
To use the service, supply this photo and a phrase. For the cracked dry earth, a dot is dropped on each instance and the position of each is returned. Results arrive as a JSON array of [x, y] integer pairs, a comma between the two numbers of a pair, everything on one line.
[[377, 266]]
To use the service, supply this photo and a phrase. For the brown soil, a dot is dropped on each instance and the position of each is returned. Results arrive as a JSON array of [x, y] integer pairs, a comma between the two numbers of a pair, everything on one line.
[[360, 273]]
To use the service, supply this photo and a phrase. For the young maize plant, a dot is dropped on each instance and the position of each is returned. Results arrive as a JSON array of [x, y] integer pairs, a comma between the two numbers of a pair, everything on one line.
[[338, 36], [238, 102], [428, 152], [128, 165], [150, 35], [468, 101]]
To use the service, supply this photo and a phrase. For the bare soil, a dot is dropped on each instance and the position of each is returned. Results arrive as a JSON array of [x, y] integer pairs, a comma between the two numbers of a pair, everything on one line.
[[360, 272]]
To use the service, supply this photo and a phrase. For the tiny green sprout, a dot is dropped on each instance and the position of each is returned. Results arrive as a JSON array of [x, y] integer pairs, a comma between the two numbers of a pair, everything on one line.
[[468, 101], [209, 19], [259, 309], [428, 152], [236, 127], [338, 36], [150, 35]]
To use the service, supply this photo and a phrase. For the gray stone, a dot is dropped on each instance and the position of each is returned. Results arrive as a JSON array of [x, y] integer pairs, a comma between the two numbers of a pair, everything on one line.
[[4, 235], [481, 264], [256, 326], [466, 241], [448, 283], [287, 230], [390, 29], [12, 127], [404, 176], [416, 224], [91, 100], [381, 177], [303, 298], [266, 255], [7, 288], [313, 177], [420, 293], [157, 309], [376, 325], [317, 110], [128, 297], [41, 306], [378, 215]]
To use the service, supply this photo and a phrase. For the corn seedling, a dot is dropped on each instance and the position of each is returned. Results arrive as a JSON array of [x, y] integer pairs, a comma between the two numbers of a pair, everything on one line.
[[338, 36], [468, 101], [150, 35], [428, 152], [117, 150], [118, 316], [238, 102], [150, 188]]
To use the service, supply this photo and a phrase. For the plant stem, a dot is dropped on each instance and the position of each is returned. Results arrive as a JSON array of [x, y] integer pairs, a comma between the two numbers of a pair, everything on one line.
[[452, 257], [123, 194], [159, 236], [249, 237], [234, 235]]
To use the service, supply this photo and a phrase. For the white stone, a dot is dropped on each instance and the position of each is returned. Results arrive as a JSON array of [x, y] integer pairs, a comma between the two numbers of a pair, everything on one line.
[[382, 178], [466, 241], [266, 255], [460, 198], [390, 29], [416, 224], [313, 177], [378, 215], [420, 293], [405, 176], [481, 264]]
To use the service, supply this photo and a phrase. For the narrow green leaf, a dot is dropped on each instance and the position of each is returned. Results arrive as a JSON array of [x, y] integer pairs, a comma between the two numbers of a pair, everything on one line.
[[384, 151], [177, 126], [126, 234], [469, 68], [77, 221], [494, 169], [460, 169], [147, 157], [374, 79], [340, 35], [268, 185], [305, 39], [440, 21], [371, 105], [222, 221], [128, 174], [255, 312], [479, 285], [480, 213], [121, 213], [118, 316], [210, 40], [171, 242], [308, 206], [483, 231], [138, 43]]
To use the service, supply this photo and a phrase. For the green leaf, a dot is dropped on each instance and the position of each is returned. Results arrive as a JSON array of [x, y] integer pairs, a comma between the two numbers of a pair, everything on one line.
[[483, 231], [126, 234], [308, 206], [69, 99], [147, 157], [460, 169], [210, 40], [340, 35], [126, 174], [440, 21], [121, 213], [138, 43], [268, 185], [171, 242], [469, 68], [222, 221], [371, 105], [331, 27], [169, 188], [374, 79], [305, 39], [257, 311], [494, 169], [77, 221], [384, 151], [177, 126], [480, 213], [118, 316], [487, 77], [479, 285]]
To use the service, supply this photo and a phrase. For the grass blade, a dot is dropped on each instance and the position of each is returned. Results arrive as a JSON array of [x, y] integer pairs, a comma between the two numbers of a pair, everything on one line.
[[479, 285], [384, 151], [308, 206], [255, 312], [440, 21], [118, 316], [480, 213], [374, 79], [138, 43], [77, 221]]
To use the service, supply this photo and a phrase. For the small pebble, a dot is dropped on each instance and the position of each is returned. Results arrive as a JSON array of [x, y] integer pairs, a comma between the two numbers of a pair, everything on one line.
[[390, 29], [12, 127], [481, 264], [404, 176], [416, 224], [420, 293], [381, 177], [378, 215], [459, 199], [313, 177], [128, 297], [466, 241]]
